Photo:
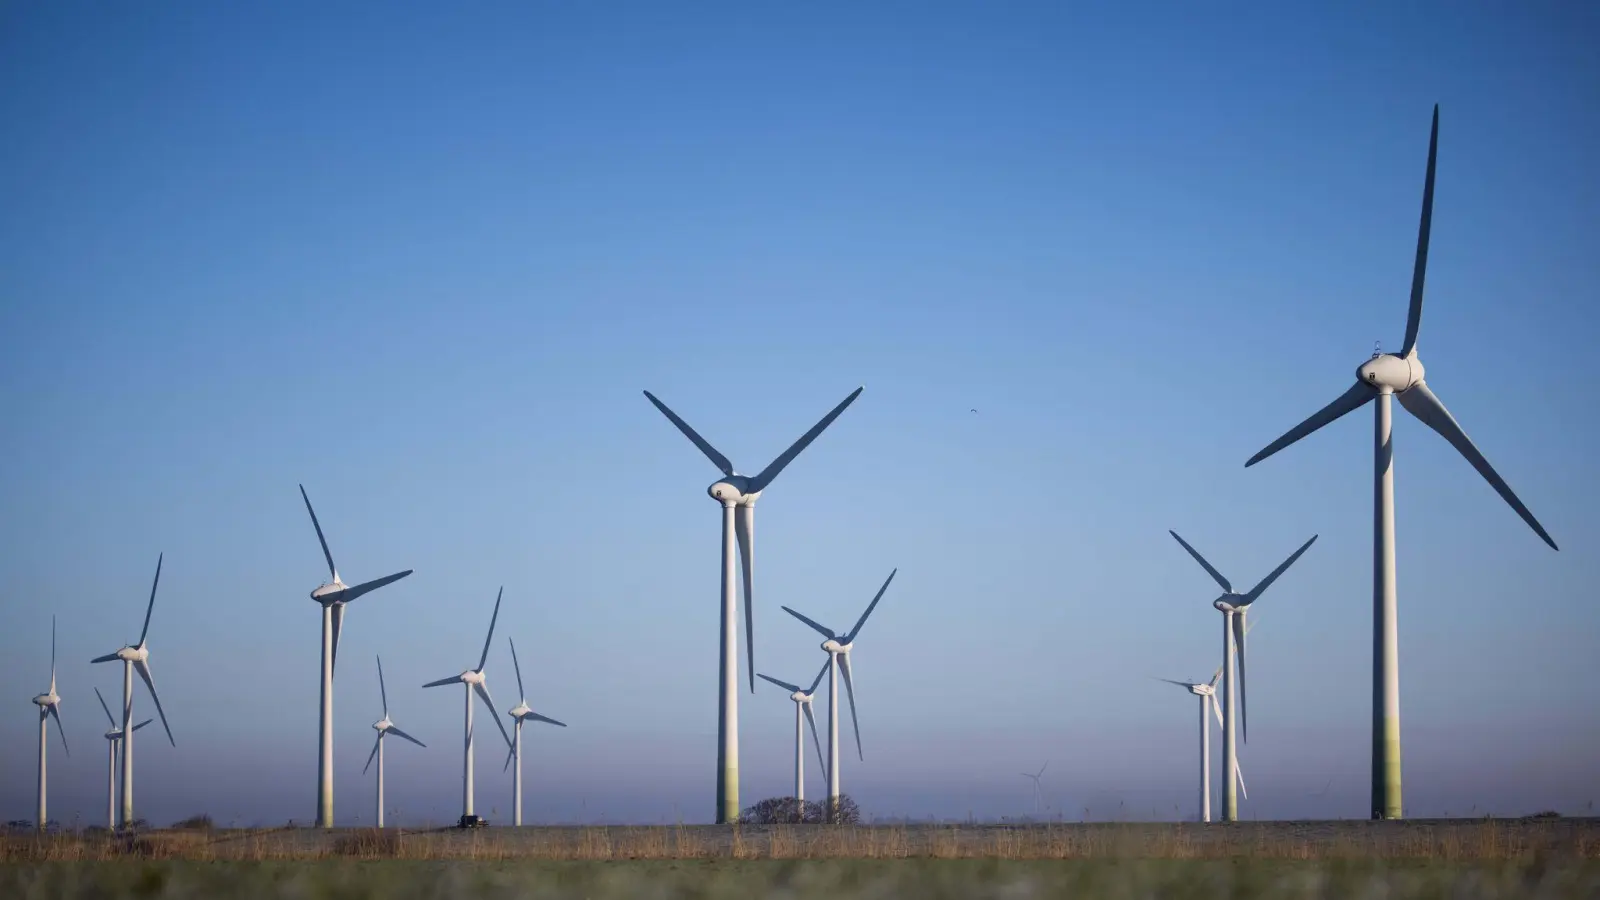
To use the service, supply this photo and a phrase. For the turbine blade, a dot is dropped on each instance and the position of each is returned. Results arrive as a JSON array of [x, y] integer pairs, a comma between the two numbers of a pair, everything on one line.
[[1349, 401], [152, 605], [383, 691], [817, 680], [1420, 270], [870, 607], [825, 632], [109, 657], [333, 571], [483, 694], [822, 760], [1214, 676], [368, 587], [1216, 710], [744, 522], [338, 626], [1041, 769], [109, 718], [143, 724], [511, 753], [1273, 575], [521, 693], [1244, 704], [401, 734], [1239, 771], [793, 689], [374, 754], [52, 654], [545, 719], [453, 679], [484, 658], [55, 713], [717, 459], [850, 691], [1421, 402], [143, 666], [1215, 575], [1182, 684], [761, 481]]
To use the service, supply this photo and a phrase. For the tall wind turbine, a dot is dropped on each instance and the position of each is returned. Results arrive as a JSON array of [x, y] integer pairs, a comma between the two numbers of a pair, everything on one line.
[[136, 656], [384, 728], [802, 706], [1383, 376], [838, 649], [1235, 608], [475, 680], [520, 713], [49, 704], [738, 494], [1038, 790], [1208, 698], [332, 596], [113, 739]]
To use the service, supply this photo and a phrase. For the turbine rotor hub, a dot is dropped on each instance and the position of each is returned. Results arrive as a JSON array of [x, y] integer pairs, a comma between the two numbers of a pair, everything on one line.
[[1387, 370], [832, 646], [732, 491]]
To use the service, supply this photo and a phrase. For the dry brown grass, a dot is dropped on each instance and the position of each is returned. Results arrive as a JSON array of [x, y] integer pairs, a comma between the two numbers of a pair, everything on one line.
[[1445, 841]]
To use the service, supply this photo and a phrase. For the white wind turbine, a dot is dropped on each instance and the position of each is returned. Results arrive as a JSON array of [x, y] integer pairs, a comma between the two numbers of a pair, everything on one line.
[[802, 706], [475, 680], [1383, 376], [49, 704], [520, 713], [1235, 609], [1038, 790], [136, 656], [113, 739], [384, 728], [738, 494], [332, 596], [1208, 697], [838, 649]]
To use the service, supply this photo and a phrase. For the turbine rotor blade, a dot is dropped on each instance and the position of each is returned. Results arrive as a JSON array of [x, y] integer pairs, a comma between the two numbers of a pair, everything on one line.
[[333, 571], [109, 657], [1244, 704], [374, 754], [1183, 684], [1273, 575], [1349, 401], [368, 587], [1238, 770], [488, 640], [793, 689], [401, 734], [522, 694], [453, 679], [1215, 575], [817, 680], [744, 522], [55, 713], [850, 691], [511, 753], [1422, 403], [152, 605], [52, 654], [143, 724], [825, 632], [870, 607], [1420, 270], [338, 627], [822, 761], [109, 718], [537, 717], [383, 690], [1216, 709], [482, 690], [143, 666], [761, 481], [717, 459]]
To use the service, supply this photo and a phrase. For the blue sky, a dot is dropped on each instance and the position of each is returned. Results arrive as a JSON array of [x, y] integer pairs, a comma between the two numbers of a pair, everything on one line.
[[423, 260]]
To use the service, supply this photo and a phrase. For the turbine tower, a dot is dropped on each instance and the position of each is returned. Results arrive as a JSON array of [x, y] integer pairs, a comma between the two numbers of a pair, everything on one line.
[[384, 728], [113, 739], [738, 494], [802, 706], [1383, 376], [136, 656], [1038, 791], [1235, 608], [519, 714], [838, 649], [49, 704], [475, 680], [332, 596]]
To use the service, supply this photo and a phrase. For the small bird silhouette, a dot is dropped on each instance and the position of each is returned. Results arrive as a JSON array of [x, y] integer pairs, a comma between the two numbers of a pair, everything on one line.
[[974, 410]]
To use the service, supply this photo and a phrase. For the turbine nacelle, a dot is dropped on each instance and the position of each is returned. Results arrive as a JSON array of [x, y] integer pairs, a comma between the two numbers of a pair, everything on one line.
[[383, 724], [832, 646], [133, 654], [328, 593], [734, 490], [50, 699], [1388, 370], [520, 711], [471, 677], [1203, 690], [1228, 603]]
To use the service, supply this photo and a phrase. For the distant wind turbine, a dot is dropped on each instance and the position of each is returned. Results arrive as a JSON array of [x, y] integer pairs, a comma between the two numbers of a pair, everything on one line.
[[1038, 790], [475, 681], [520, 713], [384, 728], [113, 740], [802, 706], [49, 704]]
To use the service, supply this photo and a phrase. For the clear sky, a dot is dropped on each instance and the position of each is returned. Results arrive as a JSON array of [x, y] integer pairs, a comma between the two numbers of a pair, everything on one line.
[[424, 257]]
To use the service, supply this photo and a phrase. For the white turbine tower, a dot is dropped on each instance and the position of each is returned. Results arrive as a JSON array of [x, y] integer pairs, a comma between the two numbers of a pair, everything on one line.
[[520, 713], [1383, 376], [49, 704], [113, 739], [384, 728], [1038, 790], [838, 649], [1235, 608], [332, 596], [738, 494], [136, 656], [475, 680], [802, 706]]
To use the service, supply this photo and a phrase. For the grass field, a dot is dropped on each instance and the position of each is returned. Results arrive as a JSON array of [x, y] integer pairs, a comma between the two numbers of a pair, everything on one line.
[[1391, 860]]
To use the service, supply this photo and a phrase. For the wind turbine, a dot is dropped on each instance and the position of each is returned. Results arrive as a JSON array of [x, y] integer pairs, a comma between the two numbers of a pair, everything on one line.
[[49, 708], [113, 737], [384, 728], [838, 649], [1235, 608], [1383, 376], [136, 656], [518, 714], [738, 494], [802, 706], [475, 680], [1038, 792], [332, 596]]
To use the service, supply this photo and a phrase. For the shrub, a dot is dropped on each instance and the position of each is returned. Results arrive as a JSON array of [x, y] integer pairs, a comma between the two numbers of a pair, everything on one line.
[[201, 822], [789, 811]]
